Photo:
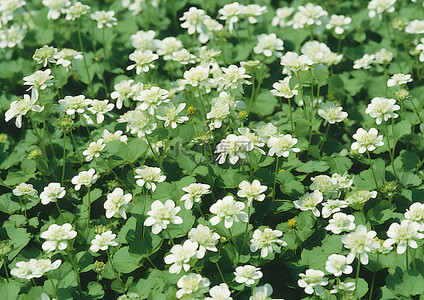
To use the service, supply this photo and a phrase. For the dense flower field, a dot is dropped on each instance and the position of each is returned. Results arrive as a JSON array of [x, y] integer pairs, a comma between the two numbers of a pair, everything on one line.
[[190, 149]]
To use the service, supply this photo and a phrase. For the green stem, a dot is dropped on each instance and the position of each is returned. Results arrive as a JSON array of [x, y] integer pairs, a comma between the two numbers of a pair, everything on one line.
[[72, 261], [154, 152], [220, 272], [114, 271], [325, 137], [84, 59], [275, 178], [407, 260], [305, 110], [170, 237], [251, 95], [40, 141], [372, 169], [58, 208], [391, 151], [63, 159], [247, 227], [373, 280], [76, 148], [5, 269], [89, 203], [151, 262], [291, 115], [416, 110], [357, 275]]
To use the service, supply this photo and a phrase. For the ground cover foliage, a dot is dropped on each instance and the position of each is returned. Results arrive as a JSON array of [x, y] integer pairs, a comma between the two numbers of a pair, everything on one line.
[[211, 149]]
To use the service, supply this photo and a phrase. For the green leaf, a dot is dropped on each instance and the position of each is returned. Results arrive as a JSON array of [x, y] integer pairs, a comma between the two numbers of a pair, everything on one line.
[[7, 205], [313, 166], [95, 290], [339, 164], [402, 129], [125, 262], [19, 239], [9, 290]]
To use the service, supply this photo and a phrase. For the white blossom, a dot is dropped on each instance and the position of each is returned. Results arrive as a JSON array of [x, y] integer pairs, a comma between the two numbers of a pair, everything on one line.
[[52, 192], [228, 210], [366, 141], [56, 237], [161, 215], [148, 176], [180, 256], [115, 203], [247, 274], [103, 241]]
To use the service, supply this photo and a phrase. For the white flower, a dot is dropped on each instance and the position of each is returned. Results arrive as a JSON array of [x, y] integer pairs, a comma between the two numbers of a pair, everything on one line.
[[193, 285], [8, 8], [34, 268], [183, 57], [366, 141], [343, 181], [20, 108], [313, 14], [269, 44], [295, 63], [263, 292], [332, 206], [56, 237], [86, 178], [161, 215], [143, 60], [117, 135], [76, 11], [282, 145], [167, 46], [234, 146], [194, 191], [309, 201], [343, 287], [266, 131], [332, 114], [252, 191], [12, 36], [281, 15], [247, 274], [338, 23], [219, 111], [196, 76], [219, 292], [205, 237], [341, 222], [56, 8], [416, 213], [39, 80], [148, 176], [193, 20], [337, 265], [129, 296], [399, 79], [230, 13], [104, 18], [315, 50], [139, 123], [123, 90], [65, 56], [378, 7], [24, 189], [73, 104], [181, 256], [312, 280], [229, 210], [383, 56], [282, 88], [267, 241], [325, 185], [415, 27], [360, 242], [170, 114], [143, 40], [100, 108], [234, 77], [404, 234], [382, 108], [252, 12], [52, 192], [115, 202], [255, 140], [45, 55], [151, 98], [364, 62], [103, 241], [93, 150], [358, 199]]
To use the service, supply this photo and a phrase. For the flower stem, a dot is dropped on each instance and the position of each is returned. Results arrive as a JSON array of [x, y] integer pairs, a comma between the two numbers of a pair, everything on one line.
[[372, 169], [291, 115], [89, 203], [114, 271], [90, 83], [72, 261], [275, 178], [58, 208], [373, 280], [406, 258], [357, 275], [154, 152], [247, 227], [63, 159], [305, 110], [76, 148], [151, 262], [5, 269], [391, 151]]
